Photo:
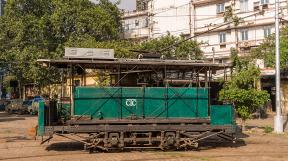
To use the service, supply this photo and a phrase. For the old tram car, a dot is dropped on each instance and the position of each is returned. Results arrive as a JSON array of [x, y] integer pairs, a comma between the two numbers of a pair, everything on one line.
[[166, 104]]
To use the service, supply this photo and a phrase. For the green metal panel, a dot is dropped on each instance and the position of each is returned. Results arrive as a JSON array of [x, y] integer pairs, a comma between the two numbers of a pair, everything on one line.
[[97, 92], [150, 102], [187, 102], [202, 99], [41, 119], [155, 102], [100, 103], [222, 115], [132, 102]]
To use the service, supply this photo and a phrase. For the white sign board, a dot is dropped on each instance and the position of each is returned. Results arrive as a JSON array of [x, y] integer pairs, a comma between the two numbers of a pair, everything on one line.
[[268, 72], [89, 53]]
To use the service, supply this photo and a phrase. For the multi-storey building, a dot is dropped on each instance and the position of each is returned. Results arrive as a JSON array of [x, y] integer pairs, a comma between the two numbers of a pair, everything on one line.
[[2, 5], [257, 18], [169, 16], [153, 19], [135, 25], [141, 5], [204, 20]]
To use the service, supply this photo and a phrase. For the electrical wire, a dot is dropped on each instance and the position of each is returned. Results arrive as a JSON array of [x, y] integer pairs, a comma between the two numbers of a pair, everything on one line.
[[209, 30], [168, 9]]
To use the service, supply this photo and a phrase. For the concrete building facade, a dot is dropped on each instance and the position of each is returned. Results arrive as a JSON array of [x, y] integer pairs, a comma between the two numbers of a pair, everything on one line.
[[173, 16], [2, 5], [204, 19], [257, 18], [154, 19], [142, 5], [135, 25]]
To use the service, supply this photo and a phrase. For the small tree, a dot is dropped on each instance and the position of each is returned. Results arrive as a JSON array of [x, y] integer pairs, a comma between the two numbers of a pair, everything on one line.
[[188, 49], [241, 90], [266, 50], [34, 29]]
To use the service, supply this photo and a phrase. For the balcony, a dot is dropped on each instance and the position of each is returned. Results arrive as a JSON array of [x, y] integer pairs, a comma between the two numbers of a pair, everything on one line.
[[247, 44], [132, 14], [141, 33]]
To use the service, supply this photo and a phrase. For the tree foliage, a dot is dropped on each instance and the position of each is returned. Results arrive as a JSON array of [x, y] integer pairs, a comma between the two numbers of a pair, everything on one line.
[[266, 50], [188, 49], [242, 90], [230, 16], [33, 29]]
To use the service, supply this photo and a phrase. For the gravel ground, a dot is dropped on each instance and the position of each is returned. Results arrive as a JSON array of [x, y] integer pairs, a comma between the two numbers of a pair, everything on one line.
[[17, 143]]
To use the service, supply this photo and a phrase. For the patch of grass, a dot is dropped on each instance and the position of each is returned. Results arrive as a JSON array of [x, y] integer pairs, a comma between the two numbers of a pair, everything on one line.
[[6, 132], [186, 155], [208, 159], [268, 129], [205, 159], [174, 154]]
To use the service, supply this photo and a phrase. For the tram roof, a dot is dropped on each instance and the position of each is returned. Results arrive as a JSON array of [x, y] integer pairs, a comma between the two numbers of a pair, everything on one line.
[[139, 63]]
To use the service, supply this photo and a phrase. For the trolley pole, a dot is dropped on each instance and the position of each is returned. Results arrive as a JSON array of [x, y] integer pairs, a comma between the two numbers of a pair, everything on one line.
[[278, 119]]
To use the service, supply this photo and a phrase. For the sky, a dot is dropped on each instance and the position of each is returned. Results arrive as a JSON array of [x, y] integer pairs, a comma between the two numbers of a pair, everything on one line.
[[125, 4]]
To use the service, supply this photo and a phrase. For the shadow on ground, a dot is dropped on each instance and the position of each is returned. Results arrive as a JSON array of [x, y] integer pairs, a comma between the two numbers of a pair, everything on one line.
[[5, 117], [11, 119], [16, 138], [65, 146]]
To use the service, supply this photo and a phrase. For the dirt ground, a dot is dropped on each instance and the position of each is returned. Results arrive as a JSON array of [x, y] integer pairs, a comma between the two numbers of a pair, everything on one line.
[[18, 144]]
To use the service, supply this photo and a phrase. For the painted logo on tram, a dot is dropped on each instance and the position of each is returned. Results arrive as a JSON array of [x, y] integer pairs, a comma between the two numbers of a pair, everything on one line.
[[131, 102]]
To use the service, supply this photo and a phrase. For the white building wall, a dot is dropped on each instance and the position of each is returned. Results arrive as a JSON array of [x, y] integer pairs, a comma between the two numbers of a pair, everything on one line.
[[135, 25], [205, 18], [171, 16], [197, 17]]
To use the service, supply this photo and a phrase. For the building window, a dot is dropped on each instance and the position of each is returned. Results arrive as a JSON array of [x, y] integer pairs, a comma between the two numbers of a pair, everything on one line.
[[220, 8], [141, 5], [244, 35], [146, 22], [243, 5], [264, 2], [256, 6], [76, 83], [222, 37], [126, 27], [267, 31], [136, 23]]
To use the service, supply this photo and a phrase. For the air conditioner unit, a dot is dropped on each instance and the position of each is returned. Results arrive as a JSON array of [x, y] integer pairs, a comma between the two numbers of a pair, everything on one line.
[[243, 44], [247, 44], [250, 23], [227, 7], [256, 6], [264, 6], [260, 63], [89, 53]]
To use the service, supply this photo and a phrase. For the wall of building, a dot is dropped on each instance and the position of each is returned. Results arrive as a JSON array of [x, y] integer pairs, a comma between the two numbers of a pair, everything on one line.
[[198, 17], [79, 81], [284, 97], [141, 5], [135, 25], [255, 24], [171, 16], [2, 5]]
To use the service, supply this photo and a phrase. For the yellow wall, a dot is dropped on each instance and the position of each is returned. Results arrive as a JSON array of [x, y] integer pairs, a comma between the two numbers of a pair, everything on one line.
[[284, 96], [89, 81]]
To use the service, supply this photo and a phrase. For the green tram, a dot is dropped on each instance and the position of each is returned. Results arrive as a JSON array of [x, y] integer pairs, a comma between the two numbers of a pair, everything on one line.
[[166, 104]]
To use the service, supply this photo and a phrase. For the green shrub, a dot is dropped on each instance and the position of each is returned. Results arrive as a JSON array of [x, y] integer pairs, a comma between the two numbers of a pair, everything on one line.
[[268, 129]]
